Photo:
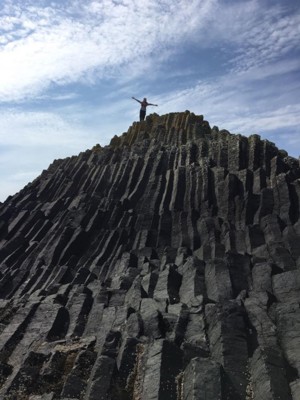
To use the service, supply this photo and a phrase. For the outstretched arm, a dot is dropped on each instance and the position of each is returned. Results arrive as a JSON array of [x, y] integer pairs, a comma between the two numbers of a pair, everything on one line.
[[136, 100], [150, 104]]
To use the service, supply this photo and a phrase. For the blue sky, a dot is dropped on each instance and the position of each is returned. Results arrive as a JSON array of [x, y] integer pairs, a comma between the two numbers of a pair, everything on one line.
[[68, 70]]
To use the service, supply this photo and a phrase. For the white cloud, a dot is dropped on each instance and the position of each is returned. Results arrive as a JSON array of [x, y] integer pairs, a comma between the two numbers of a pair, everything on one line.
[[36, 128], [71, 42], [44, 45], [30, 141], [263, 35]]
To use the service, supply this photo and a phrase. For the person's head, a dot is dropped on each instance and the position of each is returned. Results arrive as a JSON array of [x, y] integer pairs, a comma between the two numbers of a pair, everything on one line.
[[144, 99]]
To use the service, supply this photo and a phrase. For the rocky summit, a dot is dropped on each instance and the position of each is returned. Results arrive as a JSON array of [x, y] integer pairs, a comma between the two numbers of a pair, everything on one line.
[[165, 266]]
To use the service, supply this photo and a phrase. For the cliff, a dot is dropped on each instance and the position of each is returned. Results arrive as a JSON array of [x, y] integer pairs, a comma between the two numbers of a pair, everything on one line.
[[163, 266]]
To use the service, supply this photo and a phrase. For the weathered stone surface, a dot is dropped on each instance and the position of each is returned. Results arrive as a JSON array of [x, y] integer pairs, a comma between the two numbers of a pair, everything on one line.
[[100, 381], [217, 279], [268, 377], [286, 286], [228, 345], [76, 382], [193, 280], [163, 266], [152, 318], [201, 380], [163, 365], [168, 284]]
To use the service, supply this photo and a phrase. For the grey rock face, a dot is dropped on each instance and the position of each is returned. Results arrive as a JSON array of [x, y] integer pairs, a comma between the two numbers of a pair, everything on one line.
[[163, 266]]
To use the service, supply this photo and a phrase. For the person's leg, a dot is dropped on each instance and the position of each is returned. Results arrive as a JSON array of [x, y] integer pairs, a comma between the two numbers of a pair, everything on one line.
[[142, 115]]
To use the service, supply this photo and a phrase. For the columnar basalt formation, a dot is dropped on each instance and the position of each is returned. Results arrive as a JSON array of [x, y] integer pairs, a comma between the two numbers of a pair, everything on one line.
[[163, 266]]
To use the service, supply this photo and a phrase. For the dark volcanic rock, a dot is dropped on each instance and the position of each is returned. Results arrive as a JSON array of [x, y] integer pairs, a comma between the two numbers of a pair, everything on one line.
[[163, 266]]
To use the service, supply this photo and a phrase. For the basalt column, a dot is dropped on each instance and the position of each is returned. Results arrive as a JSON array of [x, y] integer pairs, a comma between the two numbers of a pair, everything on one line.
[[165, 265]]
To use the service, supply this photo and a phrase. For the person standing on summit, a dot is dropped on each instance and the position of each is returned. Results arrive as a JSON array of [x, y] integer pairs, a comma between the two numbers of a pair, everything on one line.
[[144, 104]]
